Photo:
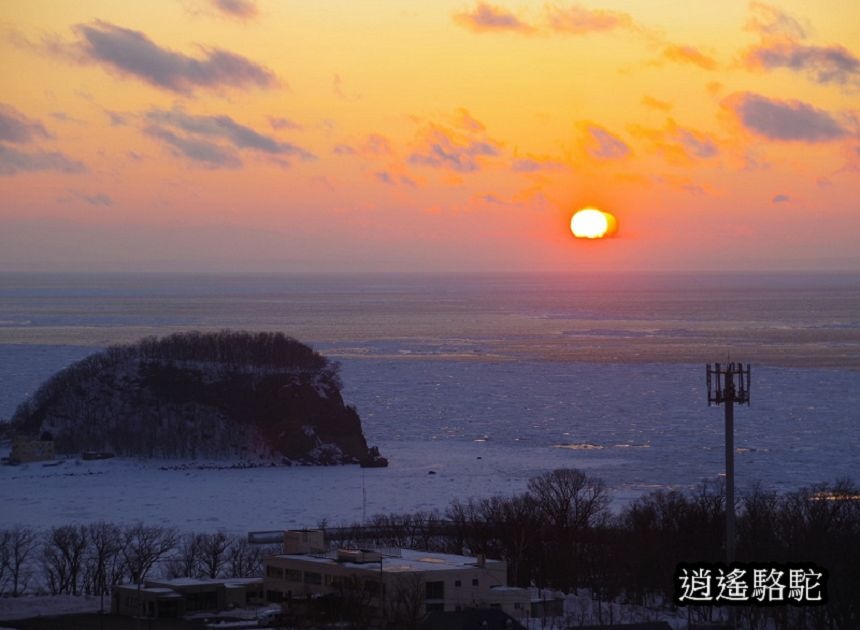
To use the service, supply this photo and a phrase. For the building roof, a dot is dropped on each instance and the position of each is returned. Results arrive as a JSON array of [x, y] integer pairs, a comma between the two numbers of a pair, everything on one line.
[[408, 561], [185, 581]]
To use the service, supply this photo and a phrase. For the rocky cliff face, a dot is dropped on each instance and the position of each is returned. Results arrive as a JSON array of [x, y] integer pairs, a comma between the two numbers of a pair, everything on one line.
[[259, 397]]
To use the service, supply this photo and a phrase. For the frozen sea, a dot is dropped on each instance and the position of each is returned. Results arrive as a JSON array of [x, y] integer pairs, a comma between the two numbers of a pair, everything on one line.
[[470, 385]]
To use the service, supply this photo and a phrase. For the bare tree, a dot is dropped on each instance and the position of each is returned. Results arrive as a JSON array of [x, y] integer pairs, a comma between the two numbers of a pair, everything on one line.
[[63, 558], [243, 558], [22, 543], [5, 541], [104, 564], [213, 553], [186, 561], [144, 546]]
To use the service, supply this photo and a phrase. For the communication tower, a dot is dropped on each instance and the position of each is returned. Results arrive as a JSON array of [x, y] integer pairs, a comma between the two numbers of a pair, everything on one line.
[[729, 385]]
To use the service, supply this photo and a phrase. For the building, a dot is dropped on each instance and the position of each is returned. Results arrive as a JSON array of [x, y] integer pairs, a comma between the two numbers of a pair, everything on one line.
[[31, 449], [392, 583], [180, 596]]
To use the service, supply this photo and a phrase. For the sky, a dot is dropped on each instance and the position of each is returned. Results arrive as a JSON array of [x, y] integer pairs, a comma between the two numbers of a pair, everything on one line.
[[279, 135]]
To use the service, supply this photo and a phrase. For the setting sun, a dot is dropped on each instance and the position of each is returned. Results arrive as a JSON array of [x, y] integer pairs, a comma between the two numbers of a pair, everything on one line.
[[592, 223]]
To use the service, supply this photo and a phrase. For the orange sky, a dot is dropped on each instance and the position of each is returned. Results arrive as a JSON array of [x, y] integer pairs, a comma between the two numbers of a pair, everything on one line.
[[261, 135]]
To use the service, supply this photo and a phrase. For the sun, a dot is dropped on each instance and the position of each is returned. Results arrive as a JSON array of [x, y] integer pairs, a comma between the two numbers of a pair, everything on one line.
[[592, 223]]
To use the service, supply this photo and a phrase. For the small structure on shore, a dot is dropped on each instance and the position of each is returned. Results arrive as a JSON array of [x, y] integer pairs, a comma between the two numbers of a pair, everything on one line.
[[29, 448]]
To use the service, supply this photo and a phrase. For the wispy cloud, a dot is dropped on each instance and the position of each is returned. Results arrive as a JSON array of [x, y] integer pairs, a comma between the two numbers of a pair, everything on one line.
[[444, 149], [823, 64], [13, 161], [384, 177], [207, 154], [601, 144], [679, 144], [486, 18], [781, 46], [242, 9], [654, 103], [689, 55], [283, 123], [783, 120], [340, 91], [463, 119], [97, 199], [18, 128], [133, 53], [534, 164], [768, 20], [225, 128], [780, 199], [578, 20]]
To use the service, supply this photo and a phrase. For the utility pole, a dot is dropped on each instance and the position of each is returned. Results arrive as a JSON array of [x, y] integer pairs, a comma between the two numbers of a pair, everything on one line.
[[729, 385]]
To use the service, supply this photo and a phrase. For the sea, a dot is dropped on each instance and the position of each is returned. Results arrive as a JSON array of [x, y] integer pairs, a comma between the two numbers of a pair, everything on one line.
[[471, 384]]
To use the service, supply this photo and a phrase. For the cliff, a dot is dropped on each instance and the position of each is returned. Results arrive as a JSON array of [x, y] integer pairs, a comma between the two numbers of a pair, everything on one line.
[[257, 396]]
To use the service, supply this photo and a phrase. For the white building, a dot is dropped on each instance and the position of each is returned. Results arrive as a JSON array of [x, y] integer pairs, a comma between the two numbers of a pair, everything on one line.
[[391, 582]]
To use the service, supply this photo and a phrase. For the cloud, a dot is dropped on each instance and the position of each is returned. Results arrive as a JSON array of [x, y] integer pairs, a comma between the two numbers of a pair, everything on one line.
[[283, 123], [132, 52], [205, 153], [18, 128], [536, 164], [242, 9], [13, 161], [340, 92], [376, 144], [823, 64], [117, 119], [603, 145], [384, 177], [579, 20], [465, 120], [99, 199], [695, 143], [780, 199], [486, 18], [653, 103], [689, 54], [679, 144], [783, 120], [344, 149], [225, 128], [445, 150], [769, 20]]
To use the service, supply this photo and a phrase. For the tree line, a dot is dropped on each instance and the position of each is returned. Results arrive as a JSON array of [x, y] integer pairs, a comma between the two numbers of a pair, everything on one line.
[[562, 534], [90, 559], [233, 351]]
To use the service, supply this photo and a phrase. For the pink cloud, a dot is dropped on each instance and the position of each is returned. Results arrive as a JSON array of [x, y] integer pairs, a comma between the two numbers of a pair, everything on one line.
[[689, 54], [579, 20], [486, 18]]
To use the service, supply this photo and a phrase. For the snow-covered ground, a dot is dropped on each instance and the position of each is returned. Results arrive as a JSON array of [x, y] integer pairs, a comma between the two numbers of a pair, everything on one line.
[[48, 606]]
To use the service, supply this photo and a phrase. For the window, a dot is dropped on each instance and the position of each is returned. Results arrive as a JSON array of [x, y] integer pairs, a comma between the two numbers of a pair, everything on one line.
[[274, 572], [440, 607], [274, 596], [435, 590], [474, 581], [312, 578], [457, 583], [292, 575]]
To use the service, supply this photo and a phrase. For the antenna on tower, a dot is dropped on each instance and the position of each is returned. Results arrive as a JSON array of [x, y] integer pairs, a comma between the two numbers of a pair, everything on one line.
[[729, 385]]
